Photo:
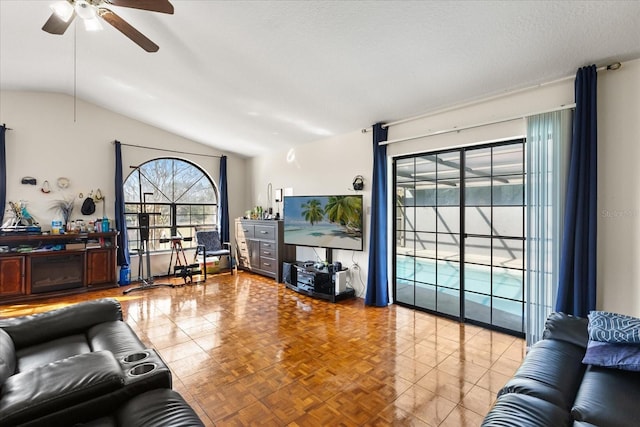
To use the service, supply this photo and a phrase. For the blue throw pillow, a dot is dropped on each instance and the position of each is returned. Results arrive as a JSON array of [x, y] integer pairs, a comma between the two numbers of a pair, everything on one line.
[[614, 328], [619, 356]]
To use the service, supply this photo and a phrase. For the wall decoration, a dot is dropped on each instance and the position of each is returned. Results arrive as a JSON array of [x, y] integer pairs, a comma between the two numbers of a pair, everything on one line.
[[63, 182], [29, 180]]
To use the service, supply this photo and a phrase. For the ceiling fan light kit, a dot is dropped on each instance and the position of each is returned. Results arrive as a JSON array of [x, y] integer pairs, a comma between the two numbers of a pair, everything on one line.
[[90, 10], [63, 10]]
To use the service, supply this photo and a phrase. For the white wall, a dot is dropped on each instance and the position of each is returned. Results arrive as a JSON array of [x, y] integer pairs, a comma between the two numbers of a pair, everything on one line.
[[322, 168], [619, 189], [46, 143], [328, 166]]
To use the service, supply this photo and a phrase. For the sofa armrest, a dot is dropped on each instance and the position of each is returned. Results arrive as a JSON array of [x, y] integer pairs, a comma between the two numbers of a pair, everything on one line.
[[568, 328], [7, 357], [74, 319], [43, 390], [160, 407]]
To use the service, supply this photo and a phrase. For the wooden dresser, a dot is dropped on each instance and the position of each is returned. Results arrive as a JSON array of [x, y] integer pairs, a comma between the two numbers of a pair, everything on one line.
[[260, 247]]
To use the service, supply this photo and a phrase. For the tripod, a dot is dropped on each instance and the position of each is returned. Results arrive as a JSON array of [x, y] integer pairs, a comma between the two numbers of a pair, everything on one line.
[[143, 222]]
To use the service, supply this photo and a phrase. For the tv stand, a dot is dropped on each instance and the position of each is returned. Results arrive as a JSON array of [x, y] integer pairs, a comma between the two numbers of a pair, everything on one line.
[[316, 283]]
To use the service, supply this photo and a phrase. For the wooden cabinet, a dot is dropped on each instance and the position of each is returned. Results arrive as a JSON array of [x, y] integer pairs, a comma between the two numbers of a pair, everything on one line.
[[260, 247], [38, 265], [100, 267], [12, 280]]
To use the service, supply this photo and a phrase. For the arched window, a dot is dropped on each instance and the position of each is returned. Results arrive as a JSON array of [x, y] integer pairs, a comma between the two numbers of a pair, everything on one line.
[[178, 196]]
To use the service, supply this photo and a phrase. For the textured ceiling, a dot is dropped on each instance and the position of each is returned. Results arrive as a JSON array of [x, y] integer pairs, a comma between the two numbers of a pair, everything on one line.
[[249, 77]]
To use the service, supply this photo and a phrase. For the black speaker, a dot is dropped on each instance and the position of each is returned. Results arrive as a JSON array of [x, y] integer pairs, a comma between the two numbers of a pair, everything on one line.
[[289, 273], [358, 183], [143, 221]]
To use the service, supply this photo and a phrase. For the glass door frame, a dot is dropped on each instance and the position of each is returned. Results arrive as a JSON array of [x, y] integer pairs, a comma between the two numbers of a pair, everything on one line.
[[463, 177]]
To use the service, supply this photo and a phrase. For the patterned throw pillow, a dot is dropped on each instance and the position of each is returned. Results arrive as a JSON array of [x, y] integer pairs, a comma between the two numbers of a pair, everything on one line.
[[614, 328], [619, 356]]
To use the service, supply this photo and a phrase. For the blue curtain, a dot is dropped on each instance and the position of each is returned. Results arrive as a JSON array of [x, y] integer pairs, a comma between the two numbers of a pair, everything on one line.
[[377, 284], [223, 203], [577, 284], [548, 143], [121, 223], [3, 173]]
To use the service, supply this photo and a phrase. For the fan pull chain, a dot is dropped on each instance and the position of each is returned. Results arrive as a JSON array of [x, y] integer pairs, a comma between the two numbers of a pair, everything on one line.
[[75, 67]]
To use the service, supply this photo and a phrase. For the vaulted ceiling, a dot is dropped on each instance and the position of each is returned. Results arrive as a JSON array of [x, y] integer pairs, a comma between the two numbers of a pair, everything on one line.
[[252, 76]]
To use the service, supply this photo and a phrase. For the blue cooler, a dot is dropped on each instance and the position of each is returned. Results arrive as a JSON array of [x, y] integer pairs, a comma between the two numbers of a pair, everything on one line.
[[125, 275]]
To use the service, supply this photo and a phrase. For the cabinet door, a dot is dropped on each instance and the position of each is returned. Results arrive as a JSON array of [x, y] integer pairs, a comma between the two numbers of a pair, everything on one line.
[[254, 253], [12, 276], [100, 268], [242, 254]]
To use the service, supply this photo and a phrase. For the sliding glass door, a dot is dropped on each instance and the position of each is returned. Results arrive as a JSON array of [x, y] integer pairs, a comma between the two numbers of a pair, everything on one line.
[[459, 232]]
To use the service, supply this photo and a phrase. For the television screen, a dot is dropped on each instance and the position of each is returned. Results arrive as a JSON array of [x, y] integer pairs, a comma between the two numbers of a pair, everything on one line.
[[324, 221]]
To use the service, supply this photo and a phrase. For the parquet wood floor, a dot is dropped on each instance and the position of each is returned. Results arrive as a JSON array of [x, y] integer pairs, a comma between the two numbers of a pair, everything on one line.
[[245, 351]]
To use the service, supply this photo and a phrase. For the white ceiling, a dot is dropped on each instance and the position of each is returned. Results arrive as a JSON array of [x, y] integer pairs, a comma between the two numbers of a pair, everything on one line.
[[252, 76]]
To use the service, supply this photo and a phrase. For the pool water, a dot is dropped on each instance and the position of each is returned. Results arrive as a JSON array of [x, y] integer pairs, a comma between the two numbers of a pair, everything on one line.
[[493, 294]]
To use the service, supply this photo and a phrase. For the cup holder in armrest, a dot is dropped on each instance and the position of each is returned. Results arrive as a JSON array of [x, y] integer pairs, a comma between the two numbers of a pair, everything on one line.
[[135, 357], [142, 369]]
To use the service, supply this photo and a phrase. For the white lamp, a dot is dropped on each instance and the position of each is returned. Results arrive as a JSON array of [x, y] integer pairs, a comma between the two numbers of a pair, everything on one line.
[[92, 24], [63, 9]]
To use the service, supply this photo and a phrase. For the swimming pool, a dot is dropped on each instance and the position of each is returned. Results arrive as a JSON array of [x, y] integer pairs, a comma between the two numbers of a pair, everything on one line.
[[492, 294]]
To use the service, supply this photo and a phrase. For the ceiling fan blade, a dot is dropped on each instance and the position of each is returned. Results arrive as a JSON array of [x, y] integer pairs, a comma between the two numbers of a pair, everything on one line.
[[162, 6], [125, 28], [57, 25]]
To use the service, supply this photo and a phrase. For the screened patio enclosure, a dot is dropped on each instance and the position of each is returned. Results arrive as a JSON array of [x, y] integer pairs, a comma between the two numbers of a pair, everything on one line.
[[459, 233]]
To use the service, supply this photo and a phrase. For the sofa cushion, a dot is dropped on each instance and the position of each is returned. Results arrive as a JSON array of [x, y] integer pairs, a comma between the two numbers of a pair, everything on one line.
[[51, 351], [609, 355], [525, 411], [608, 397], [551, 371], [7, 356], [26, 396], [30, 330], [568, 328], [117, 337], [614, 327]]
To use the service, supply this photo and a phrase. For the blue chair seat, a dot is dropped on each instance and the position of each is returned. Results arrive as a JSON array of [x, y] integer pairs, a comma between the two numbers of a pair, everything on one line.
[[209, 245]]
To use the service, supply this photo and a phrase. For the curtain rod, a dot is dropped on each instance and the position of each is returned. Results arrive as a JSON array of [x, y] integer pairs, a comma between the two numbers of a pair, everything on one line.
[[611, 67], [5, 127], [167, 150], [477, 125]]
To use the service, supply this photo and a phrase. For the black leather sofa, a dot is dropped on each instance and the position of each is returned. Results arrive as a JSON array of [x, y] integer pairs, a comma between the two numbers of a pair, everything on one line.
[[553, 387], [84, 364]]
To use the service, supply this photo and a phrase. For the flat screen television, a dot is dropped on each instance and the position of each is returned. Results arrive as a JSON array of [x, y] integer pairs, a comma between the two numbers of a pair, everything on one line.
[[333, 222]]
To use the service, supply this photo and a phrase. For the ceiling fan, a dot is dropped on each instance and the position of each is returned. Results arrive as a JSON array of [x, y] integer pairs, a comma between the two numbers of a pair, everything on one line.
[[89, 10]]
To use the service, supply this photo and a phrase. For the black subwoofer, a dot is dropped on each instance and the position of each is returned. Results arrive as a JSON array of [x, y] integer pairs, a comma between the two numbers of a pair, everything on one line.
[[289, 273]]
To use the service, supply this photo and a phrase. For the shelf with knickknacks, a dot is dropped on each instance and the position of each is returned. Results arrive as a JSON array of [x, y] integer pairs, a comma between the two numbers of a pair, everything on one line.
[[21, 220], [65, 208]]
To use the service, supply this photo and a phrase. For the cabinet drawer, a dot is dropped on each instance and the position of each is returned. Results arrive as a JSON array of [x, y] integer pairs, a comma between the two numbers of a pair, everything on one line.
[[268, 249], [246, 230], [267, 232], [268, 264]]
